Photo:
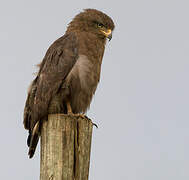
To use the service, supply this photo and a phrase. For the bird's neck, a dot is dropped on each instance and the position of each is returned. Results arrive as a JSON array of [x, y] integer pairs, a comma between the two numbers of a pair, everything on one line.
[[91, 44]]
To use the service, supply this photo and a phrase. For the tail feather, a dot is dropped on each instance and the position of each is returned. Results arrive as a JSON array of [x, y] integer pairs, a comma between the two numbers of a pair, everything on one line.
[[32, 148], [33, 139]]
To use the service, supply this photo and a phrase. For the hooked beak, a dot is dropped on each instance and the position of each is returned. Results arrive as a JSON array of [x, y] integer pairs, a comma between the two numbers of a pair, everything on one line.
[[108, 34], [109, 37]]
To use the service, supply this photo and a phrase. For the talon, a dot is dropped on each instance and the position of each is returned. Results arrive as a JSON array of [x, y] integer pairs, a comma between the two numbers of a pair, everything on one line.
[[95, 125]]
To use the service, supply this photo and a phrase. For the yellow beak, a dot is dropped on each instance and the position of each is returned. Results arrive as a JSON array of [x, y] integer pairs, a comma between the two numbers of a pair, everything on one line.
[[108, 33]]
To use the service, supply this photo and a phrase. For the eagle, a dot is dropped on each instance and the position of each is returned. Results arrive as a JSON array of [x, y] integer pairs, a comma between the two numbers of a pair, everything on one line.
[[69, 73]]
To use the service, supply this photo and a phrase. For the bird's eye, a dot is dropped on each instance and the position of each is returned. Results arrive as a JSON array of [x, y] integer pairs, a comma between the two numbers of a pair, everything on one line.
[[100, 25]]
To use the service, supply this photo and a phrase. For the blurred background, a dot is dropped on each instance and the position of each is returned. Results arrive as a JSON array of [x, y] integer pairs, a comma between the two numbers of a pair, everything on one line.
[[141, 104]]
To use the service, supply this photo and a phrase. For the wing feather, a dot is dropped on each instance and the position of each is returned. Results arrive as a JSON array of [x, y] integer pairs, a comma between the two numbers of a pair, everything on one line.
[[57, 63]]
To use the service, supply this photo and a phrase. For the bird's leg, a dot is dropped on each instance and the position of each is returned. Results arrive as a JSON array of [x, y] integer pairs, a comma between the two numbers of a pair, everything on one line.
[[69, 111], [69, 108]]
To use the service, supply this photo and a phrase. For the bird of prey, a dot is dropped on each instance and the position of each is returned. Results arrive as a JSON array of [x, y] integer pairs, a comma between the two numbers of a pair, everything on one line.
[[69, 73]]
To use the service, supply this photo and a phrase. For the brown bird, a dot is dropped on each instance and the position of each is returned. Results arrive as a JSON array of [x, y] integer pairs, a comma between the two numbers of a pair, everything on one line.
[[69, 73]]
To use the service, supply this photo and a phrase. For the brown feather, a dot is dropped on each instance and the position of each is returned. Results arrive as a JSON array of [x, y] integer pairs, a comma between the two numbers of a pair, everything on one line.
[[70, 71]]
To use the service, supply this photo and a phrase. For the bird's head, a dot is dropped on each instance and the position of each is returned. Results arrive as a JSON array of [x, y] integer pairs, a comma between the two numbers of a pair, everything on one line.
[[93, 21]]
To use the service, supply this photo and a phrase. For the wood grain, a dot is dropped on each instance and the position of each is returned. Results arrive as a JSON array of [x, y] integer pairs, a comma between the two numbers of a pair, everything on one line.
[[65, 147]]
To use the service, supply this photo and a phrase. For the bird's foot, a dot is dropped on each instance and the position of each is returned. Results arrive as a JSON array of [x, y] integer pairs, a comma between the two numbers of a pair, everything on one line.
[[70, 113], [85, 117], [78, 115], [81, 115]]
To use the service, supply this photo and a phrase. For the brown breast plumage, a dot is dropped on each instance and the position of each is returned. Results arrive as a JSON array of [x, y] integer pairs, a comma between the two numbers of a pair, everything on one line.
[[82, 82]]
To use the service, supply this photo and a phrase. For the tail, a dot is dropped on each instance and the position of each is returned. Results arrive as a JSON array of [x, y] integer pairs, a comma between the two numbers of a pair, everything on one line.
[[33, 139]]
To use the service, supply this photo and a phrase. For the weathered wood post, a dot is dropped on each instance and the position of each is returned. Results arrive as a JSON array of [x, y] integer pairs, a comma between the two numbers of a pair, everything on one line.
[[65, 147]]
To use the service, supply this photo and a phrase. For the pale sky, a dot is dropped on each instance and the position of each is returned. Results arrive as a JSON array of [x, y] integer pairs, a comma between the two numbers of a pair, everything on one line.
[[141, 104]]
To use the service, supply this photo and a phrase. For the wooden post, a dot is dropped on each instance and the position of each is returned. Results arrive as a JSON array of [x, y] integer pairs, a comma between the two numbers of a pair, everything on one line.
[[65, 147]]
